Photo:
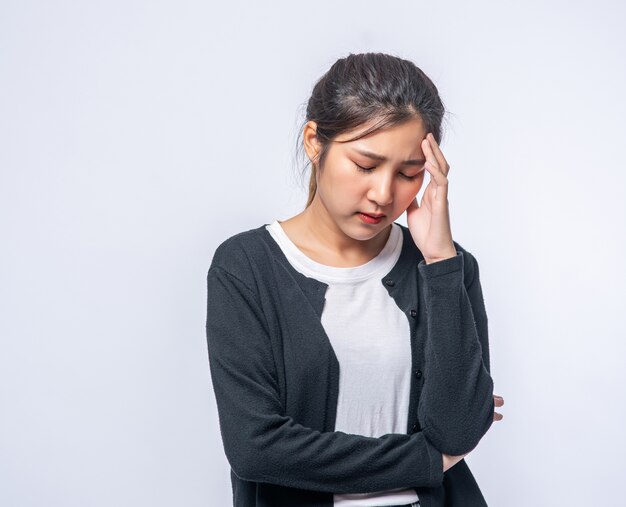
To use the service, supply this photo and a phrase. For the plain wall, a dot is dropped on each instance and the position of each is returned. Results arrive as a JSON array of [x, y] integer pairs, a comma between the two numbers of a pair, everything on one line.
[[135, 136]]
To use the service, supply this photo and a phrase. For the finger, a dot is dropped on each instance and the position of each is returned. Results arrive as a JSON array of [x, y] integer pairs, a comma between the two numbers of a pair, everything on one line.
[[433, 168], [497, 416], [431, 158], [438, 154], [498, 402], [429, 154]]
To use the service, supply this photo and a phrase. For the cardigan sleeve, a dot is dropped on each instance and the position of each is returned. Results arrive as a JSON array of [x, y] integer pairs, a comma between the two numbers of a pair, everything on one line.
[[262, 443], [456, 405]]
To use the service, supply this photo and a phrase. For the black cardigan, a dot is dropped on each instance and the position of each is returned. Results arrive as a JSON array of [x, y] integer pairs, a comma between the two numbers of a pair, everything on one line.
[[275, 377]]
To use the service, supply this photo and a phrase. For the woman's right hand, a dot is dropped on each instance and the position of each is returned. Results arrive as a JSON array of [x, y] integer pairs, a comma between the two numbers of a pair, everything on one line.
[[450, 461]]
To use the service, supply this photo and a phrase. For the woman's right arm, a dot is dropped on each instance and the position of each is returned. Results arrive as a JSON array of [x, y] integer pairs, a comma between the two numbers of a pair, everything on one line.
[[263, 444]]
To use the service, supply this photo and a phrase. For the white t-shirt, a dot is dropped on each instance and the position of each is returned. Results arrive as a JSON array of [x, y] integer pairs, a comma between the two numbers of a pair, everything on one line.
[[371, 339]]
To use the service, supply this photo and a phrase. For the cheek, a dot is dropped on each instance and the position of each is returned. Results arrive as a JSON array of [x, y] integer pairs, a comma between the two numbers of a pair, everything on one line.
[[406, 193], [344, 182]]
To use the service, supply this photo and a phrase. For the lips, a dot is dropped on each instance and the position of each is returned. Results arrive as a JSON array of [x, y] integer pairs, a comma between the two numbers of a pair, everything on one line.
[[369, 219], [374, 215]]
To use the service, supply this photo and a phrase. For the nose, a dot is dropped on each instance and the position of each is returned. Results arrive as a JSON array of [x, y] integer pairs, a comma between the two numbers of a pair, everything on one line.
[[381, 190]]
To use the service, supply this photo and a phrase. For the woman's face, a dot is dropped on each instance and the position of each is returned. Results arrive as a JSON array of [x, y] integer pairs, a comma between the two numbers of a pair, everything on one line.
[[344, 190]]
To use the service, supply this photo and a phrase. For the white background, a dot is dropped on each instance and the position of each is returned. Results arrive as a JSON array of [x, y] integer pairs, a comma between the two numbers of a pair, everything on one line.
[[135, 136]]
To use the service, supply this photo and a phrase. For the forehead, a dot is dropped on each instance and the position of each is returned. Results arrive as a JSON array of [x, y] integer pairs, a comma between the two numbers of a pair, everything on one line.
[[410, 131]]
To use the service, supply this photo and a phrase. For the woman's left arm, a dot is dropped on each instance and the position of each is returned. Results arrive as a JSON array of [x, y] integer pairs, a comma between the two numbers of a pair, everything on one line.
[[456, 406]]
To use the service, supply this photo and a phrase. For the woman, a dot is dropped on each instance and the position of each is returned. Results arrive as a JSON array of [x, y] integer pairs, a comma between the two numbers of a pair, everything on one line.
[[349, 354]]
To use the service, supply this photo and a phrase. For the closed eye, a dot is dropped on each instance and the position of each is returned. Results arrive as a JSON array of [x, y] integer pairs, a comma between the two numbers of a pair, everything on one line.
[[370, 169]]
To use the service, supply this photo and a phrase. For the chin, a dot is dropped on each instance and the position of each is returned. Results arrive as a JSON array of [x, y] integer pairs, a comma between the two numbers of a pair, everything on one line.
[[364, 232]]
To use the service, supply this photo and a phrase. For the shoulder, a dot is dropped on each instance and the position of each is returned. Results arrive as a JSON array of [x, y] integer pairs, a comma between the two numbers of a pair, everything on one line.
[[236, 248], [242, 255]]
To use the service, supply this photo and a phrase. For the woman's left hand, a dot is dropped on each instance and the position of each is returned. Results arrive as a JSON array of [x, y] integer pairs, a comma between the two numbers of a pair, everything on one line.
[[429, 222]]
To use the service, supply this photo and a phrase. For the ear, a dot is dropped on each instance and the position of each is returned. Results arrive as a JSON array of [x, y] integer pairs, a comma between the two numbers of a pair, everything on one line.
[[311, 142]]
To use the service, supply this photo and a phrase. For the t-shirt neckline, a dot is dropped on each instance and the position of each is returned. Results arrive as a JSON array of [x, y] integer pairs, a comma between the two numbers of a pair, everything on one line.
[[383, 262]]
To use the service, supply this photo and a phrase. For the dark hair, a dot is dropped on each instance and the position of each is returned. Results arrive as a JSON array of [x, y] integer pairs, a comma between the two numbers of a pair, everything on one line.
[[366, 87]]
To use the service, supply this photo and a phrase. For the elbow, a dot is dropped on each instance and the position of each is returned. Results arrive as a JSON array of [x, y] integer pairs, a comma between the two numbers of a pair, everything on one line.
[[477, 430], [247, 473], [253, 455], [455, 443], [460, 431], [247, 466], [240, 463], [449, 442], [245, 459]]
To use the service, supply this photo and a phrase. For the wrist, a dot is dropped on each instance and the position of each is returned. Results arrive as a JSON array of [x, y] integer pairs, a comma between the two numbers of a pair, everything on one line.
[[443, 258]]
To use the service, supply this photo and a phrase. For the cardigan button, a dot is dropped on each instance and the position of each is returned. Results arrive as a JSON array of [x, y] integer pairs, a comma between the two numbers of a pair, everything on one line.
[[413, 312], [390, 282], [418, 373], [415, 428]]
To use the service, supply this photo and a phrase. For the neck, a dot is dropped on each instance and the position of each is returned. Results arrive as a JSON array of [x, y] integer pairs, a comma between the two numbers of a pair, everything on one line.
[[324, 231]]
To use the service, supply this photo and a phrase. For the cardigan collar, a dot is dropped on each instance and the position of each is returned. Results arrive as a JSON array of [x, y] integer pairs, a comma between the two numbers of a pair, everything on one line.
[[315, 289]]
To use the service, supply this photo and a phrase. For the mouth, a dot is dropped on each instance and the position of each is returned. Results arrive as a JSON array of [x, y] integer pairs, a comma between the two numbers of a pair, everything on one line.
[[373, 215], [370, 219]]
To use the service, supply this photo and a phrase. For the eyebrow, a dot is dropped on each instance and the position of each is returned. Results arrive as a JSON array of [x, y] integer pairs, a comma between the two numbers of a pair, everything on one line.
[[375, 156]]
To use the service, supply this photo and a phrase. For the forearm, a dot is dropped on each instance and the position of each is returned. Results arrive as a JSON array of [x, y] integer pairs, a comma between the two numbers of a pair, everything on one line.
[[275, 449], [456, 404]]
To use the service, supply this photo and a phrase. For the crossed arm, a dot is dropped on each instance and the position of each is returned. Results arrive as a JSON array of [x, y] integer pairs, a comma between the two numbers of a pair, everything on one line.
[[263, 444]]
